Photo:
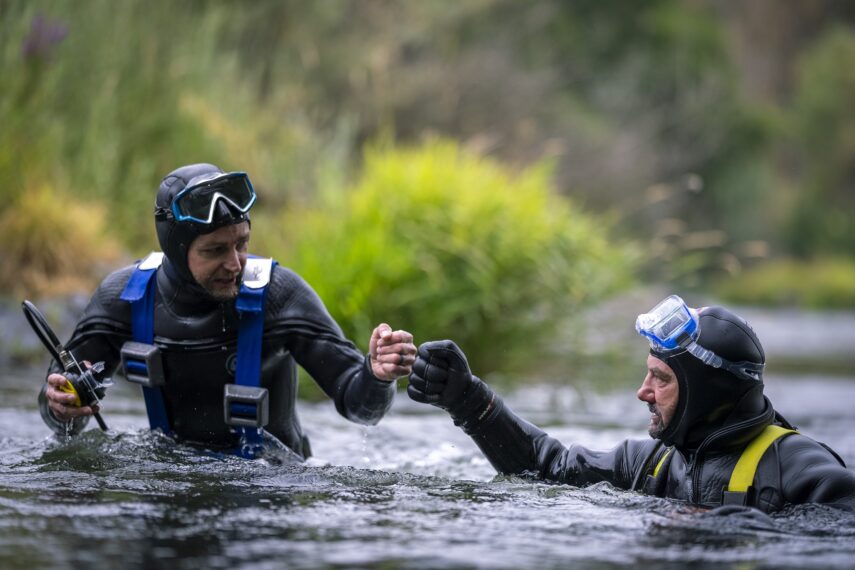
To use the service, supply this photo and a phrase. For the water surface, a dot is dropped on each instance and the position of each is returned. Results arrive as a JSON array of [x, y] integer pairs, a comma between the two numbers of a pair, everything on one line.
[[413, 492]]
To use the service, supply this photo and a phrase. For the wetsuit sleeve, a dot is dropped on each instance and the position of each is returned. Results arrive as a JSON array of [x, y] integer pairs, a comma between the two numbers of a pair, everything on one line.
[[297, 314], [810, 473], [97, 337], [515, 447]]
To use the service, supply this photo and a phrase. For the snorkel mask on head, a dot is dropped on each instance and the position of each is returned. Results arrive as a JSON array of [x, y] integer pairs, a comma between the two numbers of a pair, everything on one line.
[[194, 200], [672, 326], [198, 201]]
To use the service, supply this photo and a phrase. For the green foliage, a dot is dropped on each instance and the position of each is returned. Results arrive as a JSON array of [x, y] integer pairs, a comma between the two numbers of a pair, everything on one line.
[[447, 244], [820, 284], [824, 125], [102, 99], [52, 244]]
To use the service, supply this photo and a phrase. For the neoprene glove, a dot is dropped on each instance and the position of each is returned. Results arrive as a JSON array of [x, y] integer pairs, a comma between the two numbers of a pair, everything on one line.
[[441, 377], [440, 374]]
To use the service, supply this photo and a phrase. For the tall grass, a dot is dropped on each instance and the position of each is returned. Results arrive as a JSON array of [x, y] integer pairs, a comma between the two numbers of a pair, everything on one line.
[[102, 99], [52, 244]]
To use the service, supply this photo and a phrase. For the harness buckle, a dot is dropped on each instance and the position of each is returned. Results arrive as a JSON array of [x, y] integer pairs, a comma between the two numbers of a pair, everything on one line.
[[246, 406], [738, 498], [143, 364]]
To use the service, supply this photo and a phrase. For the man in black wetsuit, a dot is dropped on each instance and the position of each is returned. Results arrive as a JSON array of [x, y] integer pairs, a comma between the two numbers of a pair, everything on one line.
[[202, 220], [716, 439]]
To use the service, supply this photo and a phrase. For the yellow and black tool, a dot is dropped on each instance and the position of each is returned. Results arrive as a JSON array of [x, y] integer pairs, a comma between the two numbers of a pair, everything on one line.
[[88, 386]]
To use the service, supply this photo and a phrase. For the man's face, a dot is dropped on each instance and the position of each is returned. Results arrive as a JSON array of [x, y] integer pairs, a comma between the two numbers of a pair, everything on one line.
[[216, 260], [660, 390]]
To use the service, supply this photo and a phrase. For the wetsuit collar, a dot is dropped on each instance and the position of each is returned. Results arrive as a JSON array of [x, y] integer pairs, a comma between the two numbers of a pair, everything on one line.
[[743, 424]]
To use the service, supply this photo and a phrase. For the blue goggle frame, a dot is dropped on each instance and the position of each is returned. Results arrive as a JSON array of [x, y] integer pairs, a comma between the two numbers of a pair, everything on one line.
[[669, 325], [672, 325], [196, 203]]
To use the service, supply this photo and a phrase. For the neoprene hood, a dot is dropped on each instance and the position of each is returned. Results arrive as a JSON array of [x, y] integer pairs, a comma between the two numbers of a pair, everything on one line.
[[710, 397], [175, 237]]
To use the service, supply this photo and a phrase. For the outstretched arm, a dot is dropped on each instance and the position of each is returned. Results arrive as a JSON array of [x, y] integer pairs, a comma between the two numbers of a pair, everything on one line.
[[441, 377]]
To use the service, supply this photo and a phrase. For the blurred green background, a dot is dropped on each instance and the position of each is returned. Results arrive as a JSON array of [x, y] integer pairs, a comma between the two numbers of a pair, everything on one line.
[[479, 170]]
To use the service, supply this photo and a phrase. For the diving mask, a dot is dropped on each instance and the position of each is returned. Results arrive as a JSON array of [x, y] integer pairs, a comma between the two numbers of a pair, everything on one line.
[[196, 203], [672, 325]]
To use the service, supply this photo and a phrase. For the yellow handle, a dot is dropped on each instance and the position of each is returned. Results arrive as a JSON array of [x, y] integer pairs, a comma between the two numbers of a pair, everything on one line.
[[68, 388]]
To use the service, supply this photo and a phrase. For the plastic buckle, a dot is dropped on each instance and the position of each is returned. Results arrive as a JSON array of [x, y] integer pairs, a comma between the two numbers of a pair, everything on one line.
[[143, 364], [736, 498], [245, 406]]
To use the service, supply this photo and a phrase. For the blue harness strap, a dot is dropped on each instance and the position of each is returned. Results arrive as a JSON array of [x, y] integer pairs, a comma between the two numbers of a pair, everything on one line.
[[250, 306], [139, 292]]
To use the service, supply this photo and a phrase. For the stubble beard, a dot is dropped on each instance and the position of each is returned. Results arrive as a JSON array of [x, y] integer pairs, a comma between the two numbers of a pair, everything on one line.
[[220, 292], [655, 431]]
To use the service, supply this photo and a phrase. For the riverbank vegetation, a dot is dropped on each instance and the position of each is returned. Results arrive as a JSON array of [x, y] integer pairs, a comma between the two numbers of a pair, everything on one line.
[[449, 244], [511, 161], [819, 284]]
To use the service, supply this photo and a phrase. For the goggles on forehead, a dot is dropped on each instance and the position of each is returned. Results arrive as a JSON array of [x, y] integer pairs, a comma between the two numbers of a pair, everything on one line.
[[197, 203], [672, 325]]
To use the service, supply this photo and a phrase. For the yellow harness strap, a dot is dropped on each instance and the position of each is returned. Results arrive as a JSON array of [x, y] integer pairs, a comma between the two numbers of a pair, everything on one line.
[[743, 474], [661, 461]]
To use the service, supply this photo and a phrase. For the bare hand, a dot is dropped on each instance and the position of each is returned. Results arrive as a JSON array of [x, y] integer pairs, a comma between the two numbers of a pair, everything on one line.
[[62, 404], [392, 353]]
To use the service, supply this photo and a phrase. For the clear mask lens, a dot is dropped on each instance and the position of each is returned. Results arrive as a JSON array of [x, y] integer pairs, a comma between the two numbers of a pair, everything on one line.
[[669, 325], [196, 203], [672, 324]]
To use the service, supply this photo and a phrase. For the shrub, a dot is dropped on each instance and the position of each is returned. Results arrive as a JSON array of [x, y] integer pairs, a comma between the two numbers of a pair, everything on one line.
[[52, 244], [447, 244]]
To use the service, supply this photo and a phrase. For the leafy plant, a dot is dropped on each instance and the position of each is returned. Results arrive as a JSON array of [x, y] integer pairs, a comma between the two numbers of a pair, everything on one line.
[[448, 244]]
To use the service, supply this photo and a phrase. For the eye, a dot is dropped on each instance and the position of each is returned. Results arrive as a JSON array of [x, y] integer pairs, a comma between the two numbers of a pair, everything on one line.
[[214, 251]]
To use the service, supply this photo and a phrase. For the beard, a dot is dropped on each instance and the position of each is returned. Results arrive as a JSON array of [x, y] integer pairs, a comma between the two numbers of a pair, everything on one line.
[[657, 426], [221, 289]]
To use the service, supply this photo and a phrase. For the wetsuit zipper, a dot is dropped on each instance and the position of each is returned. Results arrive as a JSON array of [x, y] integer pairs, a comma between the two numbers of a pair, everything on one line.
[[696, 473]]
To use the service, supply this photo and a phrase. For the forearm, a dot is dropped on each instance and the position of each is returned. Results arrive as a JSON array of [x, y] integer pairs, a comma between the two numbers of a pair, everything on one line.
[[366, 399], [507, 441], [516, 447]]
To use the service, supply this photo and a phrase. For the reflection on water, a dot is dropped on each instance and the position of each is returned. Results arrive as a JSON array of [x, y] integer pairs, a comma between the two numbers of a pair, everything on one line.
[[413, 492]]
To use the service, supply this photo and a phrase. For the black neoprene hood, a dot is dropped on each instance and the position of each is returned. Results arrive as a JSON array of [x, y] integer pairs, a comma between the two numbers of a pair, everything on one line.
[[708, 396], [175, 237]]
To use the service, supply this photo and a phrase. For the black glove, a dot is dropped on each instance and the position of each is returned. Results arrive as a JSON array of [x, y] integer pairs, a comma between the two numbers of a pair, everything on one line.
[[441, 375]]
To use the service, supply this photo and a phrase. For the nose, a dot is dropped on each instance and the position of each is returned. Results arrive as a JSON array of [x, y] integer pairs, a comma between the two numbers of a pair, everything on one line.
[[645, 393], [233, 262]]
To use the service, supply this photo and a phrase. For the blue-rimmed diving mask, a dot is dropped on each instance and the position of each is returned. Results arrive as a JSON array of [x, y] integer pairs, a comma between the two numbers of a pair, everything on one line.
[[197, 202], [672, 326]]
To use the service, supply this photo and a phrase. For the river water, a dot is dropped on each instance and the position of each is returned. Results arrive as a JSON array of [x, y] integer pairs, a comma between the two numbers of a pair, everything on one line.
[[413, 492]]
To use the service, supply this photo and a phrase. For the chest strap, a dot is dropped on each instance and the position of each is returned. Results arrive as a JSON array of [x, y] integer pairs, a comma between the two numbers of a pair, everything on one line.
[[246, 402], [662, 461], [140, 292], [739, 490]]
